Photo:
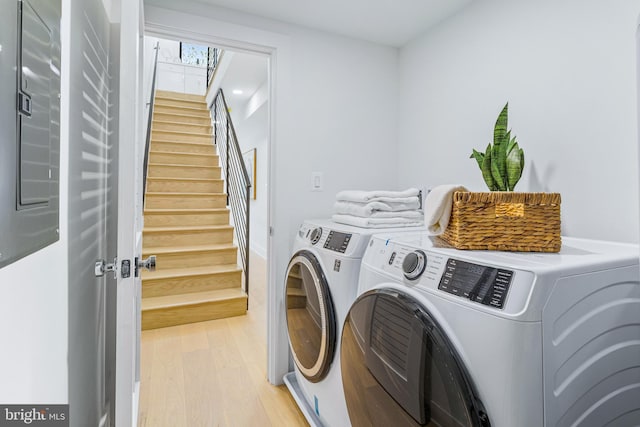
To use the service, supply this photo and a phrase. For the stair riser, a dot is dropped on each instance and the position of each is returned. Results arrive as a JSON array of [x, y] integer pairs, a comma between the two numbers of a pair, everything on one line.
[[181, 103], [185, 137], [161, 94], [170, 109], [186, 202], [161, 171], [182, 127], [172, 186], [161, 318], [180, 118], [196, 259], [155, 220], [182, 159], [186, 285], [178, 147], [171, 238], [295, 301]]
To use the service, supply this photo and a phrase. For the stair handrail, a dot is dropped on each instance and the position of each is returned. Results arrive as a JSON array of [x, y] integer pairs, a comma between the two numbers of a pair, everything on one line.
[[237, 182], [147, 147]]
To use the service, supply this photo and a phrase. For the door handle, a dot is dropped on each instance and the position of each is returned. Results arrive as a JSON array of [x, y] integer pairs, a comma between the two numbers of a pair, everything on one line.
[[149, 264]]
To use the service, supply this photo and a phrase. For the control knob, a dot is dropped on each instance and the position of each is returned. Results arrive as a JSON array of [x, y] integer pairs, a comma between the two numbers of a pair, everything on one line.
[[414, 264], [316, 233]]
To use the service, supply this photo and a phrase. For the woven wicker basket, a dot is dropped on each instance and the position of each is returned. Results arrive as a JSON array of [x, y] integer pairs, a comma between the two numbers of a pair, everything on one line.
[[505, 221]]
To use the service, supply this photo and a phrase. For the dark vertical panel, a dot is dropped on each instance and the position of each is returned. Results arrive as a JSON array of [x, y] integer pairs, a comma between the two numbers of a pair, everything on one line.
[[90, 163], [29, 163]]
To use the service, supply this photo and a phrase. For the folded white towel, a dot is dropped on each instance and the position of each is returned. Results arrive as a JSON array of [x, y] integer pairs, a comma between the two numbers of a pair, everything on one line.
[[376, 222], [437, 207], [405, 196], [377, 208]]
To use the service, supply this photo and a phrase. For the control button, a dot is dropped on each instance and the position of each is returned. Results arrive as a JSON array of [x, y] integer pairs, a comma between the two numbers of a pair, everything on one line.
[[392, 258], [414, 264], [315, 235]]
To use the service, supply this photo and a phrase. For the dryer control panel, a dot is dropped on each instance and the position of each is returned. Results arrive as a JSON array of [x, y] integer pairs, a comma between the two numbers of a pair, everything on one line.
[[337, 241]]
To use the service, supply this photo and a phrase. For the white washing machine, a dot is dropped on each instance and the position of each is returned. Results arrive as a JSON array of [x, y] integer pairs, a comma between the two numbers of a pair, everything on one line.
[[476, 338], [321, 283]]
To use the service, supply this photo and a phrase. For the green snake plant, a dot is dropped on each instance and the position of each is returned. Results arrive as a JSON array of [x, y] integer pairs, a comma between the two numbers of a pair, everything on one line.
[[502, 163]]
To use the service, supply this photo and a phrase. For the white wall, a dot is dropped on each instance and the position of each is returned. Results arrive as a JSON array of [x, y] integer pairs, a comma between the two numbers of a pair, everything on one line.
[[568, 70], [335, 107], [33, 296], [251, 122]]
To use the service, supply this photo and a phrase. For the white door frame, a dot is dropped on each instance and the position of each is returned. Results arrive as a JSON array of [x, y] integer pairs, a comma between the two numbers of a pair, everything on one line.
[[129, 210], [276, 46]]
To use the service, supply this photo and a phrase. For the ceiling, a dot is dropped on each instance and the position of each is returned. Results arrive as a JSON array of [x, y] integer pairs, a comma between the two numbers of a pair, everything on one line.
[[388, 22], [246, 72]]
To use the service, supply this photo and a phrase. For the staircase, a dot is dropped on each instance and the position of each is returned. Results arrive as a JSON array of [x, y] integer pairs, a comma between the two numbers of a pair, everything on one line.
[[186, 221]]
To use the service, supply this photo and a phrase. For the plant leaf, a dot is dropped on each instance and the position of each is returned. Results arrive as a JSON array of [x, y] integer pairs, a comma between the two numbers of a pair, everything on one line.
[[500, 128], [498, 166], [512, 143], [514, 167], [498, 180], [478, 156], [486, 169]]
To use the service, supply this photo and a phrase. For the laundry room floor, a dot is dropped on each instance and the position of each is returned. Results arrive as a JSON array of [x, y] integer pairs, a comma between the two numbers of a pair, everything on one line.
[[214, 373]]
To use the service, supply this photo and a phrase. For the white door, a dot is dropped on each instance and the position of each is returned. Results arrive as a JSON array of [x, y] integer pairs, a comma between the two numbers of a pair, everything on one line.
[[129, 213]]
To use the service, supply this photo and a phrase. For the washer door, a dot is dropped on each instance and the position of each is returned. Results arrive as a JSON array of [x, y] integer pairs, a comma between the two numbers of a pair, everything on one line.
[[400, 369], [311, 319]]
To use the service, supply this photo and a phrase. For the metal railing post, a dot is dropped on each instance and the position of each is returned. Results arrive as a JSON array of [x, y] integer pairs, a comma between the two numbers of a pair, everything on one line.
[[227, 157]]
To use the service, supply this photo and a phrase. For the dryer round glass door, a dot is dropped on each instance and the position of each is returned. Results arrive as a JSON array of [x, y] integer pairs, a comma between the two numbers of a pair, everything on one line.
[[311, 320], [400, 369]]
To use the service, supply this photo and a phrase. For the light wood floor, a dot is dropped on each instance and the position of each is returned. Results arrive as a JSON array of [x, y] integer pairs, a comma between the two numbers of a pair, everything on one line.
[[214, 373]]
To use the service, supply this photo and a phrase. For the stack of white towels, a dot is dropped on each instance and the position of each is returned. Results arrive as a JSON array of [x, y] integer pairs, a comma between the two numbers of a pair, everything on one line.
[[379, 209]]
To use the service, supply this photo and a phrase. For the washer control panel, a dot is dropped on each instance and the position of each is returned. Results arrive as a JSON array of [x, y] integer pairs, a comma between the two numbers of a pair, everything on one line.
[[440, 272], [479, 283]]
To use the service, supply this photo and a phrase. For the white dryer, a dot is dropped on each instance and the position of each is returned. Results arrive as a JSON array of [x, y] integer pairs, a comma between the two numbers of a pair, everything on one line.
[[321, 283], [444, 337]]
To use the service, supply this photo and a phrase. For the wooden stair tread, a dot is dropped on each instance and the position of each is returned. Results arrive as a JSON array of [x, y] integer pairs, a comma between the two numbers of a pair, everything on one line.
[[179, 228], [177, 141], [181, 132], [181, 300], [191, 271], [186, 109], [170, 178], [156, 193], [196, 102], [174, 165], [296, 292], [180, 95], [174, 114], [178, 153], [178, 123], [184, 211], [155, 250]]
